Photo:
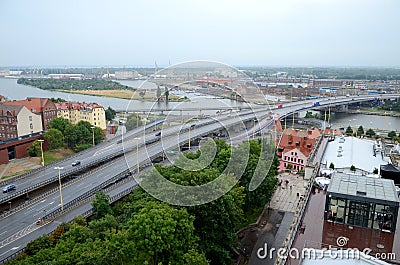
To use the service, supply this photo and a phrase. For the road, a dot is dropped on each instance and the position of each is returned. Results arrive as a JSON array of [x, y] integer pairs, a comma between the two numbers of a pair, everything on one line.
[[19, 228]]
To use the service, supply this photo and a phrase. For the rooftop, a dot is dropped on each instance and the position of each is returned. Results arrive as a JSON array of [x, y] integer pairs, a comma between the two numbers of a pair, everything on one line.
[[362, 186], [355, 151]]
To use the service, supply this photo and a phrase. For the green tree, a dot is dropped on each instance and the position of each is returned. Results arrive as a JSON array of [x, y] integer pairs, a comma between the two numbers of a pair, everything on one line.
[[360, 130], [161, 234], [101, 205], [332, 166], [392, 135], [142, 93], [60, 124], [38, 244], [34, 148], [370, 132], [133, 121], [110, 113], [353, 168], [54, 138], [375, 171], [349, 131], [289, 166]]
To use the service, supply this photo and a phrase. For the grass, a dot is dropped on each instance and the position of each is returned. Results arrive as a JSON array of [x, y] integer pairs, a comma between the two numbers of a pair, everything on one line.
[[56, 154]]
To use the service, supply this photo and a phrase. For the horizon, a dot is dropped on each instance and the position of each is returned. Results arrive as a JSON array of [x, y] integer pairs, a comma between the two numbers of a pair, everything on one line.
[[287, 33]]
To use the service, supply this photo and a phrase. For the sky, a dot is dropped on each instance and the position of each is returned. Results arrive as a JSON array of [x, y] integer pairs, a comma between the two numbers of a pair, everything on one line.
[[138, 33]]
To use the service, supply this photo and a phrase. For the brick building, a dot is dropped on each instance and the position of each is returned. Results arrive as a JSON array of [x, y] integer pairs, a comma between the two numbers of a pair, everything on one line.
[[43, 106]]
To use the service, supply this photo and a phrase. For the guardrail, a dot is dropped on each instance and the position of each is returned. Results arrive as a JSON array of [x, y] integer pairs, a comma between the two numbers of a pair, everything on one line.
[[7, 181]]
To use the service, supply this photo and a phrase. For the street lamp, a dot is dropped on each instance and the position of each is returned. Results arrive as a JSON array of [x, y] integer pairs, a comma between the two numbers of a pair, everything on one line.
[[189, 137], [59, 181], [41, 150], [92, 134], [137, 154], [254, 127]]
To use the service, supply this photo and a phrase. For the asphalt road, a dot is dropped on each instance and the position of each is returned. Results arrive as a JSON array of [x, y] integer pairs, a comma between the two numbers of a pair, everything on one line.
[[19, 228]]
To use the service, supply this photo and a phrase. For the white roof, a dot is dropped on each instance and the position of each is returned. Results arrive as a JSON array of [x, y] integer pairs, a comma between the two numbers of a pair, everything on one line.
[[356, 151]]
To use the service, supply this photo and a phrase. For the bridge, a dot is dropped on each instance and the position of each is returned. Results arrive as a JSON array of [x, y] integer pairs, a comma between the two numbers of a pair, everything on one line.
[[104, 167]]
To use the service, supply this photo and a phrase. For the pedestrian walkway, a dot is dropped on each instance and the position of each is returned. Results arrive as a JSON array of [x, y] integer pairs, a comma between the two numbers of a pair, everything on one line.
[[288, 193], [281, 212]]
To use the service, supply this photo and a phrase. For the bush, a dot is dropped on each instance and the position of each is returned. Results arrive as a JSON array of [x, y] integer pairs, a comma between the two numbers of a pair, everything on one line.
[[34, 149], [81, 147]]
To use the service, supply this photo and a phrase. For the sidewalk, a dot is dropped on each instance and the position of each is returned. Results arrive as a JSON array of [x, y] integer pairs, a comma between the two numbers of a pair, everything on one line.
[[277, 220]]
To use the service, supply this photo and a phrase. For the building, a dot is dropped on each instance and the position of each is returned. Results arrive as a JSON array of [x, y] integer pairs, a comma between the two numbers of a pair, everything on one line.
[[42, 106], [318, 83], [82, 111], [295, 146], [362, 201], [126, 75], [66, 76], [17, 121]]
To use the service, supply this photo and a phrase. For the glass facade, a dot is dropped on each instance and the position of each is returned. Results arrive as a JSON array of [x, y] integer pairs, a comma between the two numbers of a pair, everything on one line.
[[372, 215]]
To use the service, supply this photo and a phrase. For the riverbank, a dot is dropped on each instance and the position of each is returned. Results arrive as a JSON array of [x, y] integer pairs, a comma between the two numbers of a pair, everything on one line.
[[373, 111], [123, 94]]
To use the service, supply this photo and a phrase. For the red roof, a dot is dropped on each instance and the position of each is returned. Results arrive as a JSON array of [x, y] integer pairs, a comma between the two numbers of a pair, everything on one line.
[[35, 105]]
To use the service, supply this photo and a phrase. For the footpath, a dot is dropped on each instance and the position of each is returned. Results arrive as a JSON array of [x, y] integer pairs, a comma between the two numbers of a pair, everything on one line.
[[274, 224]]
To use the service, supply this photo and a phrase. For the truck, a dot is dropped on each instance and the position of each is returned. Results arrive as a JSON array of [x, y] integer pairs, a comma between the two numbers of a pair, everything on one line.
[[316, 104]]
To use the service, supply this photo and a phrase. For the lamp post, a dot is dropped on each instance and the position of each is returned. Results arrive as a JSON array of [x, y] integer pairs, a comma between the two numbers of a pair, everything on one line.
[[254, 128], [92, 134], [59, 181], [189, 138], [137, 154], [41, 150]]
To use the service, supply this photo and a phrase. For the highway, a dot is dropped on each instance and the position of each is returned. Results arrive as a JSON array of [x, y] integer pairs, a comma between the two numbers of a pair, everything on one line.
[[18, 228]]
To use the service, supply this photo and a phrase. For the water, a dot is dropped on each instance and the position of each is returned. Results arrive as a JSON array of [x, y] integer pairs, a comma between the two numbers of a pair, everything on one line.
[[342, 120], [12, 90]]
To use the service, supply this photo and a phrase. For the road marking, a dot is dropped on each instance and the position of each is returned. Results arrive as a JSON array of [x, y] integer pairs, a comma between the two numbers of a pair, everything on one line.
[[11, 249], [3, 233]]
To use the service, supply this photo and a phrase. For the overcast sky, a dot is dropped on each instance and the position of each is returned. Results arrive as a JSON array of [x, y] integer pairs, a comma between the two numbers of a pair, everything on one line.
[[241, 33]]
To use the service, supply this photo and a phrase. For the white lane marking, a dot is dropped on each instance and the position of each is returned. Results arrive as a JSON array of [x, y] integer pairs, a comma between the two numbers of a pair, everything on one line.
[[11, 249], [3, 233]]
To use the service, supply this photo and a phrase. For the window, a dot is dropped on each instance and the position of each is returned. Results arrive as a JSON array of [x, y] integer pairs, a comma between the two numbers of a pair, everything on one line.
[[31, 126], [30, 118]]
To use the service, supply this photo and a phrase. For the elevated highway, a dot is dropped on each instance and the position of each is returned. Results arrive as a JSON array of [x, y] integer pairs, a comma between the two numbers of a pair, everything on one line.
[[138, 147]]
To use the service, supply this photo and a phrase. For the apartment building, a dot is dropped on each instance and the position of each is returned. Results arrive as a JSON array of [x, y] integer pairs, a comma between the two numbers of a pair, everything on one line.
[[82, 111], [42, 106], [17, 121]]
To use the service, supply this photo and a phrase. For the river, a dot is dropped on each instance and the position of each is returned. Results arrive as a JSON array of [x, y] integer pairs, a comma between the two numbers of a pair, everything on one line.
[[10, 89]]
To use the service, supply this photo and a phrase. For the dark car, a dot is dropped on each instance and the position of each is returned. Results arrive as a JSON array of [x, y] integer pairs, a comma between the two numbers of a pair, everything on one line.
[[158, 134], [9, 187], [76, 163]]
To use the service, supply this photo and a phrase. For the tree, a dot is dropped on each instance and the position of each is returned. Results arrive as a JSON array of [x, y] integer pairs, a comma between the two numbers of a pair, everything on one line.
[[158, 93], [101, 206], [54, 138], [34, 148], [370, 132], [289, 166], [349, 131], [392, 135], [57, 100], [360, 130], [161, 234], [38, 244], [110, 113], [332, 166], [353, 168], [133, 121], [60, 124], [375, 171]]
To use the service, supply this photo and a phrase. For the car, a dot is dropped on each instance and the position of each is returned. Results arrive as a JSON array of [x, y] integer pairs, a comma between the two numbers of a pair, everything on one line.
[[9, 187], [76, 163], [192, 126], [158, 134], [119, 141]]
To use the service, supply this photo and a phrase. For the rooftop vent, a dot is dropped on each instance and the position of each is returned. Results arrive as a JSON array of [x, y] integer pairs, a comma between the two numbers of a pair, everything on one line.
[[361, 193]]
